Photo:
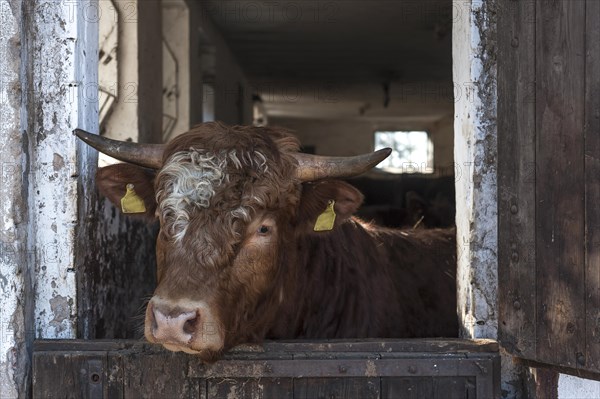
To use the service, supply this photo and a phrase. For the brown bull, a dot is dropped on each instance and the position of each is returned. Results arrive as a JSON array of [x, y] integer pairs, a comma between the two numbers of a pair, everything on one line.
[[238, 256]]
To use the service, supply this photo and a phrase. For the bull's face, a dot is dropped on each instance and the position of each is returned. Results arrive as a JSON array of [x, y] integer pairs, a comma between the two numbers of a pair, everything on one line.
[[228, 202], [223, 213]]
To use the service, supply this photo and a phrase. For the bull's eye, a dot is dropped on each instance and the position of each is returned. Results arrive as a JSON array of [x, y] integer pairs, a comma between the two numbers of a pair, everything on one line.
[[264, 230]]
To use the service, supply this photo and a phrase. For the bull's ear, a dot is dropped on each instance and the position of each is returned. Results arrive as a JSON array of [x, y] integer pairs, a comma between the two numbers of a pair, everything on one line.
[[317, 199], [113, 182]]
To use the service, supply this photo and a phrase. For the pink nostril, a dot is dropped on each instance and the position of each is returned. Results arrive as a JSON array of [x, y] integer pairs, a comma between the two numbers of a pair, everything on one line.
[[190, 325], [174, 326]]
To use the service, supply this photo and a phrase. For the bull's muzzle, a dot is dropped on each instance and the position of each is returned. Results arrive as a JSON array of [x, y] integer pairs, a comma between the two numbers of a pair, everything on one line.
[[187, 326]]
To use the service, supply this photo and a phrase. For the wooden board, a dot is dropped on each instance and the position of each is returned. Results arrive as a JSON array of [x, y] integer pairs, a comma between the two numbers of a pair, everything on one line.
[[297, 347], [516, 177], [250, 388], [592, 181], [308, 388], [73, 375], [549, 182], [560, 219], [301, 369]]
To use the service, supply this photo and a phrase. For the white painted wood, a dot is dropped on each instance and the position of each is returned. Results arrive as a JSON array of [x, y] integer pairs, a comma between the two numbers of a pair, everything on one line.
[[475, 151], [13, 210], [48, 59], [570, 387], [475, 157], [59, 102]]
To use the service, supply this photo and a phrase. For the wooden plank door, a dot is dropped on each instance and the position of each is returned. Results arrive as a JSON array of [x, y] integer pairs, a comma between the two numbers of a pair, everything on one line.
[[548, 181]]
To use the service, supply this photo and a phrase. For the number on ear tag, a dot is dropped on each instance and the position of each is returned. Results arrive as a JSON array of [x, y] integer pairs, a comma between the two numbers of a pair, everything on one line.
[[131, 202], [326, 220]]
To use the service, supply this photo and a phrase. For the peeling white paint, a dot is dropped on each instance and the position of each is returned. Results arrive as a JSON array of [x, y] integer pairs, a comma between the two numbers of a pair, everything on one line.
[[475, 152], [53, 199], [13, 352], [59, 101], [570, 387], [42, 74]]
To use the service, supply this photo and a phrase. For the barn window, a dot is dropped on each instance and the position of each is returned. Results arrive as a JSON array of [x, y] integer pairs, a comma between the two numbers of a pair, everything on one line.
[[412, 151]]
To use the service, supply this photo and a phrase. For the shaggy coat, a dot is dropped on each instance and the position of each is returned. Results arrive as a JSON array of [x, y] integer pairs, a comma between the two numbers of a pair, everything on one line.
[[237, 243]]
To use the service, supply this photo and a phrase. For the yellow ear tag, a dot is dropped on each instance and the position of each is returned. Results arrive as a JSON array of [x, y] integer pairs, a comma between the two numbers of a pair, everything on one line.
[[326, 220], [131, 202]]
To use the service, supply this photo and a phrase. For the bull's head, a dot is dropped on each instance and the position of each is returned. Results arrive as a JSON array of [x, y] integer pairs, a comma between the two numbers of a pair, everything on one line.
[[231, 204]]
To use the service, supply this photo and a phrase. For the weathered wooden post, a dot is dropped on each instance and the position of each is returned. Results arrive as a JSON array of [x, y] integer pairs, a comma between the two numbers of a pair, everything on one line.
[[48, 64]]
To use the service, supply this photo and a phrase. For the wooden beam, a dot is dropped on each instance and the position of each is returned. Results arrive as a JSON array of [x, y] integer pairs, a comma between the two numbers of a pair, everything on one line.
[[591, 355], [560, 272], [516, 178]]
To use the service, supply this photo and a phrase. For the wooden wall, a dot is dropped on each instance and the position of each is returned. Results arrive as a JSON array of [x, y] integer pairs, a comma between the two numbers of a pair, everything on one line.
[[549, 181]]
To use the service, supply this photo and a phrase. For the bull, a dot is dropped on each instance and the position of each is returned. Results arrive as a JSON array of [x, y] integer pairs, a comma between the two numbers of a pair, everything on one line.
[[258, 241]]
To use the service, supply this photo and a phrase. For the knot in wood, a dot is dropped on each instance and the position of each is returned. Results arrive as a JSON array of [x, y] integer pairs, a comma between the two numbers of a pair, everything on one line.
[[95, 378], [514, 256]]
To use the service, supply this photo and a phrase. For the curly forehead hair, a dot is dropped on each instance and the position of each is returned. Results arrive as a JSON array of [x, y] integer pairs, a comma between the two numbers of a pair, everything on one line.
[[216, 172]]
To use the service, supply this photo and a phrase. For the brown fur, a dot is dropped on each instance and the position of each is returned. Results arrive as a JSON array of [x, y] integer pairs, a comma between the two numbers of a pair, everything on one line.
[[361, 282], [356, 280]]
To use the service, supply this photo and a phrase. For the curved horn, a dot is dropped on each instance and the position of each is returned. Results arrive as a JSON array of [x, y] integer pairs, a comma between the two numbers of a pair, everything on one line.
[[315, 167], [146, 155]]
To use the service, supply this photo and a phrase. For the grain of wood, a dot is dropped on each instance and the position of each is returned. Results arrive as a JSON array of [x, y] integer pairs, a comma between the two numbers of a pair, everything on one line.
[[560, 218], [592, 182], [516, 177], [131, 369]]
